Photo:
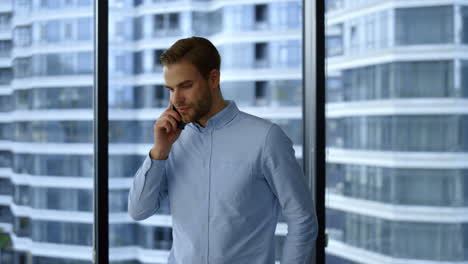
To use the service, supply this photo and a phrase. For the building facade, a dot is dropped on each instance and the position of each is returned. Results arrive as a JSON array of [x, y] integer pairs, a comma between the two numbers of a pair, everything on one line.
[[397, 131]]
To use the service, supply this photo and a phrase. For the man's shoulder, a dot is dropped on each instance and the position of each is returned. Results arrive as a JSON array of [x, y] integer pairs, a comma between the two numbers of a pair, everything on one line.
[[254, 122]]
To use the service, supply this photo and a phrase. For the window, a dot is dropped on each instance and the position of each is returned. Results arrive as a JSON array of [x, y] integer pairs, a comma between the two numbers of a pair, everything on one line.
[[464, 78], [68, 31], [426, 79], [261, 52], [159, 22], [22, 5], [138, 62], [166, 24], [5, 21], [157, 55], [5, 48], [334, 41], [50, 4], [22, 37], [277, 85], [353, 38], [137, 28], [161, 96], [85, 63], [412, 24], [84, 29], [261, 16], [22, 67], [260, 93], [370, 32], [465, 24], [174, 21], [52, 31], [386, 112], [84, 3]]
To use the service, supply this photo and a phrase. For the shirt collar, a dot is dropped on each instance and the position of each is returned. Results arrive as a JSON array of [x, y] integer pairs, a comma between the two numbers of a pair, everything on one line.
[[220, 119]]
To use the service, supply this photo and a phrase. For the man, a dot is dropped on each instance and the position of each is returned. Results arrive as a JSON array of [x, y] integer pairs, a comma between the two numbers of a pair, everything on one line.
[[227, 174]]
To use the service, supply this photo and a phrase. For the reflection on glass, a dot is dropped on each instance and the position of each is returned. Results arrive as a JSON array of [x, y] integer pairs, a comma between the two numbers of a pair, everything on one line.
[[260, 46], [46, 144], [397, 134]]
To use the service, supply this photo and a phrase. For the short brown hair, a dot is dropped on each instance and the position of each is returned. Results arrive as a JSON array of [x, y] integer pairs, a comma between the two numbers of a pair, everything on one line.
[[197, 50]]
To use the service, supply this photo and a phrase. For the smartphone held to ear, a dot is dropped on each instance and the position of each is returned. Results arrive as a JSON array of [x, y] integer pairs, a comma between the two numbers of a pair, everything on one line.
[[180, 124]]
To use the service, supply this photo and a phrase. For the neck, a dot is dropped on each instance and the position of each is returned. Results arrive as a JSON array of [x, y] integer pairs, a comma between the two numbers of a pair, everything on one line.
[[216, 108]]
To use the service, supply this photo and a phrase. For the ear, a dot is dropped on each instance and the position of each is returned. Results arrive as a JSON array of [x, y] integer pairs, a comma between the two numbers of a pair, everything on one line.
[[213, 79]]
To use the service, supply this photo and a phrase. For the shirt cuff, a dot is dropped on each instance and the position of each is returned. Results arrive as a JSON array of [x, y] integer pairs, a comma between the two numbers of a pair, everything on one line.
[[149, 162]]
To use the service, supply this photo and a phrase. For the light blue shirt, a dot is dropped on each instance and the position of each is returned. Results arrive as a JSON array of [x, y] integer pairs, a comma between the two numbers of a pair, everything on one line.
[[226, 184]]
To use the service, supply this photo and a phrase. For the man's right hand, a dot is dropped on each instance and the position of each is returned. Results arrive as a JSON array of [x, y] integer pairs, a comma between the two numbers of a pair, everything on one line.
[[165, 133]]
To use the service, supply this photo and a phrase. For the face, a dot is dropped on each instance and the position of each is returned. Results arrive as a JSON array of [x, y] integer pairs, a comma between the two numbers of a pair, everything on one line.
[[189, 91]]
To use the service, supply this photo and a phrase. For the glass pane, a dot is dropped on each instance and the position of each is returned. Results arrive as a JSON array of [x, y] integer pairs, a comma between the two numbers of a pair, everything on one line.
[[397, 188], [46, 137], [261, 71]]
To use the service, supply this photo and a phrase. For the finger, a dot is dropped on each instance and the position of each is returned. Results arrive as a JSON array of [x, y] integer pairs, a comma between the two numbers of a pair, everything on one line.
[[163, 124], [174, 115], [172, 121], [167, 127]]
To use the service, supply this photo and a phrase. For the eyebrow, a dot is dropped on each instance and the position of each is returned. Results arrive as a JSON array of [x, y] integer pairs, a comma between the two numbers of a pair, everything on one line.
[[180, 84]]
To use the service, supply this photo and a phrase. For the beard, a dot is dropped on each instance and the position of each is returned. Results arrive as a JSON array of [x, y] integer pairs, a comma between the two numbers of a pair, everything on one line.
[[200, 108]]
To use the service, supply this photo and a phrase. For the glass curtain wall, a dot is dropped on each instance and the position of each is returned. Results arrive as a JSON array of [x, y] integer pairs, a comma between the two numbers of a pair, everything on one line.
[[260, 43], [397, 132], [46, 141]]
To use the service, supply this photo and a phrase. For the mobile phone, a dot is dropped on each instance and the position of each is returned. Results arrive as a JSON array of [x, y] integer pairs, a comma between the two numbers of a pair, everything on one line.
[[180, 124]]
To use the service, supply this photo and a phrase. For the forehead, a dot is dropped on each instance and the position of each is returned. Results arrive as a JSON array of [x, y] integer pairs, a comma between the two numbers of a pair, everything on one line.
[[179, 72]]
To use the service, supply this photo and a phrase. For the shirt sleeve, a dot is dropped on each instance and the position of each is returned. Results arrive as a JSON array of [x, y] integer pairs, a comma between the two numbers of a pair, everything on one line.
[[287, 182], [148, 190]]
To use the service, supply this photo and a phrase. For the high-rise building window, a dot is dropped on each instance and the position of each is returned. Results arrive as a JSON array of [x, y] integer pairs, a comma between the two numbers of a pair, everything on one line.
[[424, 25], [84, 28], [5, 21], [22, 67], [137, 62], [85, 63], [354, 38], [138, 28], [5, 48], [464, 78], [84, 2], [161, 96], [261, 16], [260, 13], [383, 81], [50, 4], [68, 30], [334, 40], [156, 56], [22, 36], [261, 93], [166, 24], [173, 21], [444, 133], [465, 24], [52, 31], [6, 74], [261, 55], [159, 22], [22, 5]]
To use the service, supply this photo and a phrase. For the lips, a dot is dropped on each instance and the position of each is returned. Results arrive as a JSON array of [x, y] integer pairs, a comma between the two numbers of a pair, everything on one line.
[[183, 109]]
